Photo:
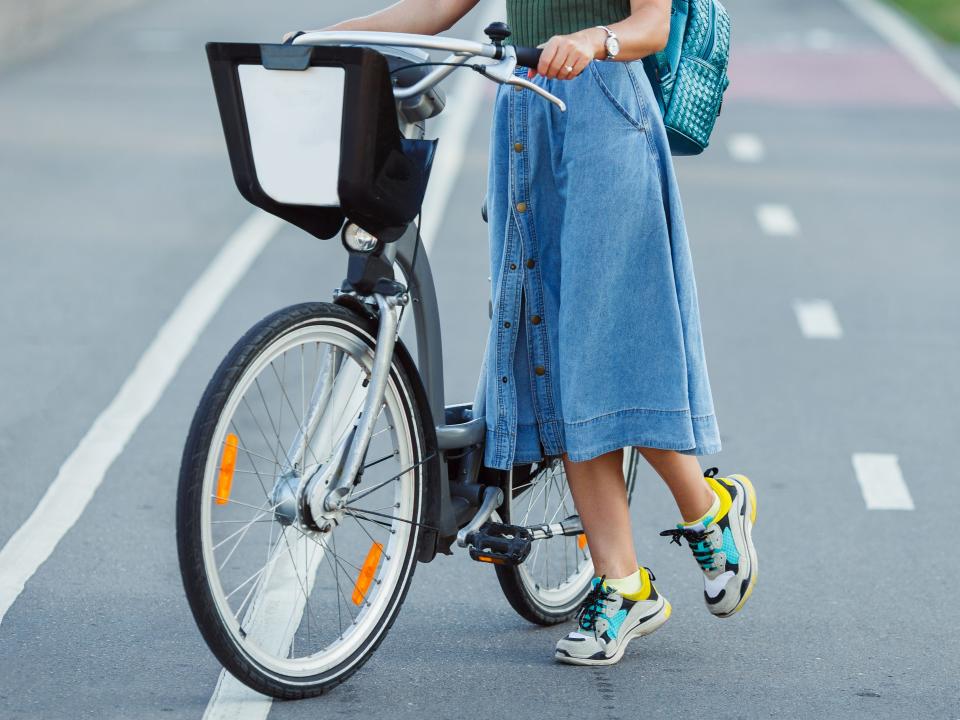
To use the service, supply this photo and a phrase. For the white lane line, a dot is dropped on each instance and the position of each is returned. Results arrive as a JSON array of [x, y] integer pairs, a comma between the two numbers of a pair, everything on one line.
[[231, 699], [910, 43], [84, 470], [881, 482], [818, 320], [777, 220], [464, 103], [746, 148]]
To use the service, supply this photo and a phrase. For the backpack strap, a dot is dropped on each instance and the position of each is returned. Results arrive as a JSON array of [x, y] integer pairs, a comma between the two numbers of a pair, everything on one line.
[[651, 65]]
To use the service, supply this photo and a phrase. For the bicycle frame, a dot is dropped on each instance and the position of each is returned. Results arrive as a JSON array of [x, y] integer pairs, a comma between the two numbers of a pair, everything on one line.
[[370, 277]]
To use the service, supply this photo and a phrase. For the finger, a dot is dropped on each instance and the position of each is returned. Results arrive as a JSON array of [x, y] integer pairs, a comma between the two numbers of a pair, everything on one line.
[[579, 65], [559, 60], [547, 58], [569, 68]]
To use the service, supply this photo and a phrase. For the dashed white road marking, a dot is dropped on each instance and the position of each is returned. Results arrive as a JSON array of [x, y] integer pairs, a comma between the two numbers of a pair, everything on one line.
[[746, 148], [231, 699], [910, 43], [83, 471], [818, 319], [881, 482], [777, 220]]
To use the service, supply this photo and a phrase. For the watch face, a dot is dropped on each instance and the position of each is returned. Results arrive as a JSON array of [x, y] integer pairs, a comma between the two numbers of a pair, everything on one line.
[[613, 46]]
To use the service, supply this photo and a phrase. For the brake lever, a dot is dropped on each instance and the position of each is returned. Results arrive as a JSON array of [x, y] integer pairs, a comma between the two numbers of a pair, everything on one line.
[[521, 82], [503, 72]]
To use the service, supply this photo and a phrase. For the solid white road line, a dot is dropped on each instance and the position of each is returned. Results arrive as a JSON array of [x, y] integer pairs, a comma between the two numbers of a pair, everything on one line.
[[464, 103], [745, 148], [881, 482], [910, 43], [777, 220], [817, 319], [232, 699], [84, 470]]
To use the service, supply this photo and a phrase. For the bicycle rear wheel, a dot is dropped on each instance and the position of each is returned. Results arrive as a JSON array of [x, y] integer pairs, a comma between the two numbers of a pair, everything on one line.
[[548, 587], [292, 605]]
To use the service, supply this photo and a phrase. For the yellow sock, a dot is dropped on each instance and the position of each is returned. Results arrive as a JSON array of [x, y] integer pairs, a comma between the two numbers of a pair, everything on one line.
[[633, 587], [709, 516]]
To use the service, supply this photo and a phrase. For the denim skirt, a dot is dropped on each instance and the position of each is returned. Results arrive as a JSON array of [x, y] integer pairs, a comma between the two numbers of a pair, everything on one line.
[[595, 339]]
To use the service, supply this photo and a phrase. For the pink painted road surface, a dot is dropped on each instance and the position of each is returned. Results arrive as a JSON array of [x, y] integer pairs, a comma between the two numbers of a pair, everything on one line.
[[855, 77]]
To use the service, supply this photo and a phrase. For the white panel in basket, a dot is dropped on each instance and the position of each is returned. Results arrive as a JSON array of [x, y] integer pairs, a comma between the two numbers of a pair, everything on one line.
[[294, 121]]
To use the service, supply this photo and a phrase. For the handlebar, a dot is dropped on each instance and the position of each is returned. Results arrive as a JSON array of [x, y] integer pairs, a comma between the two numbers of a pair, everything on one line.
[[528, 57], [505, 57]]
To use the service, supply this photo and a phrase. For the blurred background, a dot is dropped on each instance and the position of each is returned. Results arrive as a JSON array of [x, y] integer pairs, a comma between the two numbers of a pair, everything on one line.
[[824, 225]]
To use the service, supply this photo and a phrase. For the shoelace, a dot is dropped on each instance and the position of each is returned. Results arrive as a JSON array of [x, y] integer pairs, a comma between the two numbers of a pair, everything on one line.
[[703, 551], [699, 542], [593, 605]]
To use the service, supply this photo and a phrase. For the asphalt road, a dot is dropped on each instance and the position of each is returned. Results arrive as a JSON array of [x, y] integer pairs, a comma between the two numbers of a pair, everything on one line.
[[115, 194]]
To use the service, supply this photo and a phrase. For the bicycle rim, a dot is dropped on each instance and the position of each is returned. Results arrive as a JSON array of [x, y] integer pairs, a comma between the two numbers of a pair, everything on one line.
[[299, 603]]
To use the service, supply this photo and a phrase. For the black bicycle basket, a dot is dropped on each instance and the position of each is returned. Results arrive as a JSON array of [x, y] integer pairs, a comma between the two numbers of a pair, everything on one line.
[[313, 136]]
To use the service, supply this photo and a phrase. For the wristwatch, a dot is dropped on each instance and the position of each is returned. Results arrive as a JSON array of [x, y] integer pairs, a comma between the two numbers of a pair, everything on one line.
[[612, 43]]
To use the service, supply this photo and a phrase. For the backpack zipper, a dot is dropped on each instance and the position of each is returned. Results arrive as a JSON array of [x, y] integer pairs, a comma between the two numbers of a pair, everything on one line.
[[707, 50]]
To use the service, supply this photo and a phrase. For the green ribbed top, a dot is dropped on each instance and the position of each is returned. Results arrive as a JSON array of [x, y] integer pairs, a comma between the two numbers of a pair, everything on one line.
[[536, 21]]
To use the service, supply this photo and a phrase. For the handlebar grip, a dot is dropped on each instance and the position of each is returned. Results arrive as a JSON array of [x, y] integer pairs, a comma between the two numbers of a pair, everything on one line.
[[528, 57]]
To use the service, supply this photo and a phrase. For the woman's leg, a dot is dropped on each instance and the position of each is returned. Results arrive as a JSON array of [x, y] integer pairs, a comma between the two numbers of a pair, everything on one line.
[[600, 494], [684, 477]]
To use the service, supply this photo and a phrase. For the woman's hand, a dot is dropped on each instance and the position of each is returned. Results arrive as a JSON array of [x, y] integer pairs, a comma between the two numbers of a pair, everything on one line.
[[566, 56]]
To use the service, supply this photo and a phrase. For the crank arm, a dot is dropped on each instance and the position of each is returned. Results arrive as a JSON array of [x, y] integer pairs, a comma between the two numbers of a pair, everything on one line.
[[570, 526], [492, 499]]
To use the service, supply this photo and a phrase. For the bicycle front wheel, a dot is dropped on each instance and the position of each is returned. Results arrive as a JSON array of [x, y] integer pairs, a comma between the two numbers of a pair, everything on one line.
[[290, 604], [548, 587]]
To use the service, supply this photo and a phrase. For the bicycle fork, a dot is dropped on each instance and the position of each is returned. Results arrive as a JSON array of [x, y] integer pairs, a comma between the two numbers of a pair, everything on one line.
[[322, 495]]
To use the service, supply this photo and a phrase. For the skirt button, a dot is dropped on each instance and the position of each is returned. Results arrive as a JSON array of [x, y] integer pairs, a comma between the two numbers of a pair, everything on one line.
[[539, 370], [531, 262], [535, 319]]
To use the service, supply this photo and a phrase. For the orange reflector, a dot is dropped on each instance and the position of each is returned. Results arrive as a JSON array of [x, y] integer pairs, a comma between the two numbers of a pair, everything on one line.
[[227, 465], [366, 573], [581, 541]]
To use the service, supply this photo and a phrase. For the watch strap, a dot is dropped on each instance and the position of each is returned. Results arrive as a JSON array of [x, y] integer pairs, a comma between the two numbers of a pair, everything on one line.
[[610, 34]]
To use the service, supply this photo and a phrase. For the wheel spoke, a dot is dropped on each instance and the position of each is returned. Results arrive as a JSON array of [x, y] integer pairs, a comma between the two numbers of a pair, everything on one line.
[[277, 587]]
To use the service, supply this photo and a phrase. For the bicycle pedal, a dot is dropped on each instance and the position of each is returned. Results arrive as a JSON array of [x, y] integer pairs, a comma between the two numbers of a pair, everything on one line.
[[500, 544]]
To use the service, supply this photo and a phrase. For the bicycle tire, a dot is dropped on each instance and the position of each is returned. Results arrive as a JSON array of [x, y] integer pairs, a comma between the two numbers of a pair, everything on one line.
[[224, 644], [524, 596]]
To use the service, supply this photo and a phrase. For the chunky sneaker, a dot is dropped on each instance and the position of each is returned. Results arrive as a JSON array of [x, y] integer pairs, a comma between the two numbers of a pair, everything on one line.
[[608, 621], [721, 543]]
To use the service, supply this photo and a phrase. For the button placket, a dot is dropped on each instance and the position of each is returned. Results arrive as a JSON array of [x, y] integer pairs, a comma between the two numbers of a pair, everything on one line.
[[510, 298], [536, 342]]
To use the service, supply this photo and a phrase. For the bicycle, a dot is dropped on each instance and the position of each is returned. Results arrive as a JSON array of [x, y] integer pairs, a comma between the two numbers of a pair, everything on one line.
[[322, 464]]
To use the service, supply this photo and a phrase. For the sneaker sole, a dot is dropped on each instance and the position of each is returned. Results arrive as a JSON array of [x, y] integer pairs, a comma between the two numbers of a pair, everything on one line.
[[751, 520], [654, 623]]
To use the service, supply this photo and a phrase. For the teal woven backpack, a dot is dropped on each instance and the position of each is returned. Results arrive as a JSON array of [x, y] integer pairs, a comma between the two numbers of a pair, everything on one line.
[[690, 75]]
